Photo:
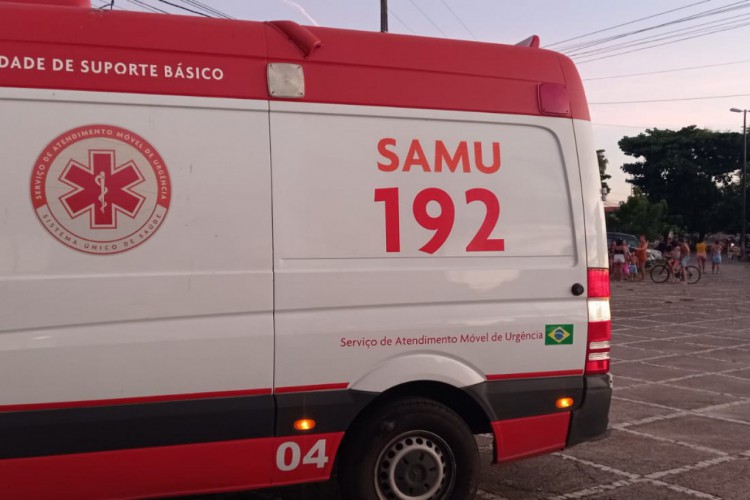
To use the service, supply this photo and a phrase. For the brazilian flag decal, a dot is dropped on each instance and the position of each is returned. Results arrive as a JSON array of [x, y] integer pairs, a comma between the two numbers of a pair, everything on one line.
[[558, 334]]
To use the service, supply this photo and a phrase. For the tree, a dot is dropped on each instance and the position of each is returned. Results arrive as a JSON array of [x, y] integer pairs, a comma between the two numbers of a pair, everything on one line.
[[640, 216], [728, 211], [691, 169], [603, 161]]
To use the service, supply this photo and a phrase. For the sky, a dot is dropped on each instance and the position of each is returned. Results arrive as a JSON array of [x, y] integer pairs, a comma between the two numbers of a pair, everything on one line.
[[720, 60]]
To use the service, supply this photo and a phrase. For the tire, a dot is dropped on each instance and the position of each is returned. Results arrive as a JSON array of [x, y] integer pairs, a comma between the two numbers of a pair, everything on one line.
[[415, 449], [692, 274], [660, 273]]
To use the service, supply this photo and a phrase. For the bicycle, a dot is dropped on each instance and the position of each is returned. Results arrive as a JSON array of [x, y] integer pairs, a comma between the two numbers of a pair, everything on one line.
[[661, 273]]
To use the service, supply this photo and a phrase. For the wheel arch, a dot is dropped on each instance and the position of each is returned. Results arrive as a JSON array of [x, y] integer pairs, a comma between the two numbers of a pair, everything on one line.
[[430, 375], [404, 377], [463, 403]]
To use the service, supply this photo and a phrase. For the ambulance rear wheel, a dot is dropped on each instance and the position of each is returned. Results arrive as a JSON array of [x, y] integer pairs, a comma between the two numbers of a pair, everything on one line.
[[413, 449]]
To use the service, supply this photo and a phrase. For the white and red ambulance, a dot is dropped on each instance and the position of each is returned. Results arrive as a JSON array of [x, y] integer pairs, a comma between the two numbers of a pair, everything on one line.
[[237, 254]]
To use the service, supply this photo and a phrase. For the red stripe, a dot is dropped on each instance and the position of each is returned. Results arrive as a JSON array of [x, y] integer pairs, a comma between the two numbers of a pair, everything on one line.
[[127, 401], [165, 471], [310, 388], [529, 436], [508, 376]]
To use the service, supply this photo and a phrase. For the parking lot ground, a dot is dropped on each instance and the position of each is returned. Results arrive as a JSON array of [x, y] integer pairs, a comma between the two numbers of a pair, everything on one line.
[[680, 416]]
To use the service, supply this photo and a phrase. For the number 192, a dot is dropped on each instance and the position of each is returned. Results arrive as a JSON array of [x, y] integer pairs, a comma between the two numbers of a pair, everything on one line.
[[441, 224]]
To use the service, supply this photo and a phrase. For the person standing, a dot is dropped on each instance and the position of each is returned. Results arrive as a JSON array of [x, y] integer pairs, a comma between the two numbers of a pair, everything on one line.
[[641, 253], [700, 252], [674, 259], [715, 257], [633, 267], [684, 253], [619, 259]]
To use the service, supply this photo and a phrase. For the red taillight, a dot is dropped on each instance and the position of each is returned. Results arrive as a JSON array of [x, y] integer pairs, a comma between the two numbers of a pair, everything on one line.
[[595, 366], [600, 323], [600, 331], [598, 282]]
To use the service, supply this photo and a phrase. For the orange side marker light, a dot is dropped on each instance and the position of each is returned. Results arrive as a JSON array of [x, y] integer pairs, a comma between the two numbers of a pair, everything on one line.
[[563, 403], [304, 424]]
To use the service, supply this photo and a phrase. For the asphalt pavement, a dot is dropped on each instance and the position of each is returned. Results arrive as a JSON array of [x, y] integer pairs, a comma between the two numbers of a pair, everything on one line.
[[680, 416]]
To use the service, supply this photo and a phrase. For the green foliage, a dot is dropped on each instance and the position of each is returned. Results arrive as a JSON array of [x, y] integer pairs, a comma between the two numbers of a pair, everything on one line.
[[728, 211], [603, 161], [640, 216], [692, 169]]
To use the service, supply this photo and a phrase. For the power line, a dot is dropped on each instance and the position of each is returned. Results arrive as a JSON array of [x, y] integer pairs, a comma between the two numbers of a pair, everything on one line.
[[700, 98], [459, 19], [707, 13], [661, 44], [680, 32], [207, 8], [628, 75], [147, 7], [183, 8], [428, 18], [696, 28], [627, 23], [402, 22]]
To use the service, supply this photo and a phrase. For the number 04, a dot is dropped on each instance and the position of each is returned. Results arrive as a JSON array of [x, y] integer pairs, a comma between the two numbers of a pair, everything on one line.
[[441, 224], [288, 455]]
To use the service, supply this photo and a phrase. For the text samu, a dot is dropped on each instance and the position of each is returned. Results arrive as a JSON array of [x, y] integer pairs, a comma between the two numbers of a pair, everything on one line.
[[438, 157]]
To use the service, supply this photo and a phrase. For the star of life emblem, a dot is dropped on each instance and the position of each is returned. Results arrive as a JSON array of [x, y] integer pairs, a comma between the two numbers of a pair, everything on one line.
[[100, 189]]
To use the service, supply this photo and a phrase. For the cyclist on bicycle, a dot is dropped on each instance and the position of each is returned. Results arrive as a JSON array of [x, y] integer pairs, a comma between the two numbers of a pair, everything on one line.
[[676, 266]]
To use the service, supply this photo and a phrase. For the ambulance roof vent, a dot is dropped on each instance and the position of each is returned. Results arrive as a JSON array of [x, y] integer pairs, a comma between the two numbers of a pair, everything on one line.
[[305, 40], [531, 42]]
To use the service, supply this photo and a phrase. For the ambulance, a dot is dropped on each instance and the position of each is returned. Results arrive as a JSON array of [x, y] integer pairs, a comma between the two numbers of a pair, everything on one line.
[[239, 255]]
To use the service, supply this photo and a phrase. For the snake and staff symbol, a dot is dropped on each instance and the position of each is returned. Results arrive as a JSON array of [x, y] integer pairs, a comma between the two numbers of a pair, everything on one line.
[[102, 190]]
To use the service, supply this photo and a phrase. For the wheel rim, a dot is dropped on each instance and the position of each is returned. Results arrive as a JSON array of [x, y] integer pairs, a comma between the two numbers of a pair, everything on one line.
[[416, 465]]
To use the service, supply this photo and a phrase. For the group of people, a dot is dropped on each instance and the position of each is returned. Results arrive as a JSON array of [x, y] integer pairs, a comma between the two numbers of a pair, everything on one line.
[[627, 264], [678, 255], [702, 250], [630, 263]]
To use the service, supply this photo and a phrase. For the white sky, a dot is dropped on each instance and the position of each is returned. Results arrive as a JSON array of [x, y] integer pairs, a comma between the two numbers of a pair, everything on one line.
[[505, 21]]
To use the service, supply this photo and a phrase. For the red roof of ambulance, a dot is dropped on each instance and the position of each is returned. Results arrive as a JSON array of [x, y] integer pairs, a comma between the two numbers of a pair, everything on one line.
[[346, 67]]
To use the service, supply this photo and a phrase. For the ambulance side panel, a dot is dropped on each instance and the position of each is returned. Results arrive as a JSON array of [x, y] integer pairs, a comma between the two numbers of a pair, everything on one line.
[[169, 326], [343, 300], [432, 243]]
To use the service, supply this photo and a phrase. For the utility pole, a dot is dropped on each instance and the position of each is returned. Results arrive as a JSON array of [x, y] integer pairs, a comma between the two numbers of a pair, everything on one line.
[[744, 181], [384, 16]]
